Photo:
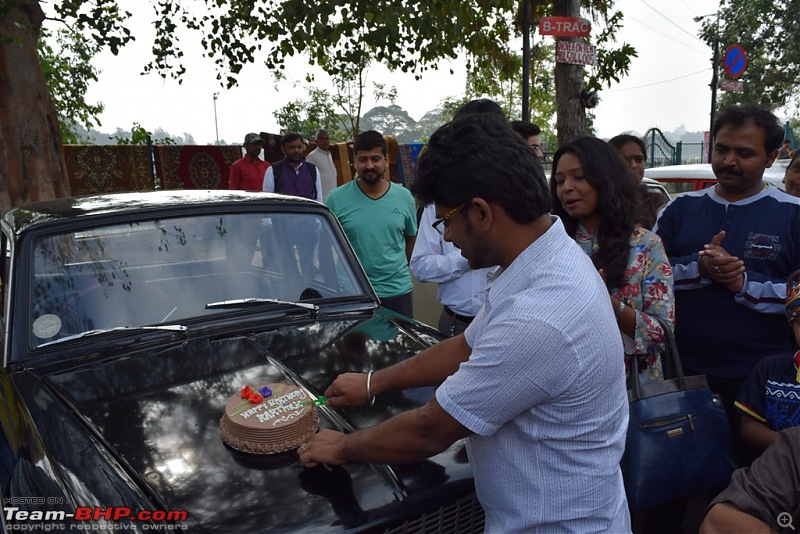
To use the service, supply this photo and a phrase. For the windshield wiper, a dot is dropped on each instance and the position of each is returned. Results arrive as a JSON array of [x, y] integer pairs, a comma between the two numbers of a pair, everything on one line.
[[255, 301], [166, 328]]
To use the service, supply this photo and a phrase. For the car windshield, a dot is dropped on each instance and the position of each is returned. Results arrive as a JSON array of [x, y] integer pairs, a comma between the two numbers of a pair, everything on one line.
[[164, 271]]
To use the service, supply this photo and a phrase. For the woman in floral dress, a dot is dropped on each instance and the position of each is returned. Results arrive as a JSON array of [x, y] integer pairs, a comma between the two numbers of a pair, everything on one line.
[[594, 195]]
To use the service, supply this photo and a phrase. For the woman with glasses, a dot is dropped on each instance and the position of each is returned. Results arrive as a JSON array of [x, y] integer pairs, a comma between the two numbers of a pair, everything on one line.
[[593, 194], [634, 154]]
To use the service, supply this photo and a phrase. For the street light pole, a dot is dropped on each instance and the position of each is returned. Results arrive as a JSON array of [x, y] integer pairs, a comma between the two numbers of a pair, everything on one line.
[[216, 128], [526, 60], [714, 81]]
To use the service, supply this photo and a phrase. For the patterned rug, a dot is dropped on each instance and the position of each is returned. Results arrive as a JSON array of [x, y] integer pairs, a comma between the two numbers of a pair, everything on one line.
[[194, 166], [96, 169], [272, 147], [408, 161]]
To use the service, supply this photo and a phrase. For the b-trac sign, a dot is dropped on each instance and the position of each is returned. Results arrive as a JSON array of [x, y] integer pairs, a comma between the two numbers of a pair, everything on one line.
[[565, 26]]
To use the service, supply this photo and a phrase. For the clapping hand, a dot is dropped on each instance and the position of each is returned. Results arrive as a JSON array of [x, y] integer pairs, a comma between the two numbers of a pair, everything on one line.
[[717, 264]]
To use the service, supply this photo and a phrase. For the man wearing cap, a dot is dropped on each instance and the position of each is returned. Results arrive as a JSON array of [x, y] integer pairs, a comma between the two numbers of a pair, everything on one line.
[[248, 173]]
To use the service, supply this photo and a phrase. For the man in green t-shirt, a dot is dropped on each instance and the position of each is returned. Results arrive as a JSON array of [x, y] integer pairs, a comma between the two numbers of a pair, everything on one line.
[[380, 220]]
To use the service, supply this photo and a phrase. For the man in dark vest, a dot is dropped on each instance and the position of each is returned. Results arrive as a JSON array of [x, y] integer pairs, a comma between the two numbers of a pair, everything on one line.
[[293, 175]]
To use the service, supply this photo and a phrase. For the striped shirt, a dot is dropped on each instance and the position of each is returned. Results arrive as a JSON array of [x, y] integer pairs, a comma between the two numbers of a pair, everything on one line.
[[544, 393], [721, 334]]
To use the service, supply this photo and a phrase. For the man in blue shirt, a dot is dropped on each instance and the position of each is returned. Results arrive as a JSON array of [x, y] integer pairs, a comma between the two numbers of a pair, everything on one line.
[[732, 248]]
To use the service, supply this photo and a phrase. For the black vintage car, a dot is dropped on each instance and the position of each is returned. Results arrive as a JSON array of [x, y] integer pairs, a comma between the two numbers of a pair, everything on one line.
[[128, 321]]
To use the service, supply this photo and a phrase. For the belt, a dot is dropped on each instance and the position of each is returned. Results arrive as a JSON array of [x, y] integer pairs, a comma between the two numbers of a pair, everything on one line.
[[457, 317]]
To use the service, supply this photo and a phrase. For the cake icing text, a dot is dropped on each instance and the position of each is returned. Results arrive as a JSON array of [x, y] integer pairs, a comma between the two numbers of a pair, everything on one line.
[[276, 406]]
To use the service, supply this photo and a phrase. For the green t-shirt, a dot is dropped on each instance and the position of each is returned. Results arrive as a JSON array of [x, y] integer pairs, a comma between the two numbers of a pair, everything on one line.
[[377, 229]]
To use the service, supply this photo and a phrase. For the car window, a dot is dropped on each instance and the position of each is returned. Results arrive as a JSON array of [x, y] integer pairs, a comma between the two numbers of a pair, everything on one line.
[[165, 271], [657, 190], [678, 186]]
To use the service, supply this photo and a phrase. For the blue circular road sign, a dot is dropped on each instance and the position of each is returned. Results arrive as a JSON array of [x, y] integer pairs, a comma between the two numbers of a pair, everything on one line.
[[734, 61]]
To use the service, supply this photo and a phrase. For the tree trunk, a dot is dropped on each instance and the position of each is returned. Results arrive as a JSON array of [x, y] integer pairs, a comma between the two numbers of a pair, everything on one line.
[[32, 164], [571, 117]]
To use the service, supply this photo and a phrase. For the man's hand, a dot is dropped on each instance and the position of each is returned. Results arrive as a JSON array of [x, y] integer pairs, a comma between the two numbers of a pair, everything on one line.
[[717, 264], [407, 437], [325, 447], [349, 389]]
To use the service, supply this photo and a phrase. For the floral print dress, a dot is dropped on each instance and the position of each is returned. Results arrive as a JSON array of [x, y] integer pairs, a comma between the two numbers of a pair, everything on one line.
[[649, 292]]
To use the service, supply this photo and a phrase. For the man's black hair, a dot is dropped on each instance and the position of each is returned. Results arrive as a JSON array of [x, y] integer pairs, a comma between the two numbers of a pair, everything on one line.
[[480, 105], [479, 155], [526, 129], [742, 114], [290, 137], [369, 140]]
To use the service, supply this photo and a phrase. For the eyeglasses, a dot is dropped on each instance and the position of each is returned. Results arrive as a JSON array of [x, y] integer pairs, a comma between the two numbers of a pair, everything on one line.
[[440, 225], [631, 159], [535, 147]]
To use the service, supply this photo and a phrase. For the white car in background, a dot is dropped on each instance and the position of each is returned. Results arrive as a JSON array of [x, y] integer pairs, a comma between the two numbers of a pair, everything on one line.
[[681, 178]]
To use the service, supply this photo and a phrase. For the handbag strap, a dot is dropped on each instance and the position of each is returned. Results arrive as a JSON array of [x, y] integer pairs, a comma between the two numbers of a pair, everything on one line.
[[669, 357]]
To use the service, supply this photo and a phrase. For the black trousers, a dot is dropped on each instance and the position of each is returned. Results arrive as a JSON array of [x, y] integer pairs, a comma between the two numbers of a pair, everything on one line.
[[403, 304]]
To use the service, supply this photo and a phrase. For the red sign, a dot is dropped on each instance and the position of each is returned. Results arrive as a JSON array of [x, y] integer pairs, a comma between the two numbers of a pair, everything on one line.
[[565, 26], [734, 86], [576, 53]]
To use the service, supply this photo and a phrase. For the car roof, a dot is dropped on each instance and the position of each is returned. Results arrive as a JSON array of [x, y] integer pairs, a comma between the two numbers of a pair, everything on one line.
[[29, 215], [702, 171]]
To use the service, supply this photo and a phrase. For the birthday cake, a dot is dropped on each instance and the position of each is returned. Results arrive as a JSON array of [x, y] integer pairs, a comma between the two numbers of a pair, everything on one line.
[[268, 419]]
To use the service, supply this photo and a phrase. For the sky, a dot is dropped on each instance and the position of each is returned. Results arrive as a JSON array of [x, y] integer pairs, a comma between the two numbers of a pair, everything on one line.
[[667, 87]]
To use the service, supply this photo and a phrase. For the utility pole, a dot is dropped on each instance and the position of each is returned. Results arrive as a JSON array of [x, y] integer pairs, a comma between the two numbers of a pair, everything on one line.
[[526, 60], [714, 81], [571, 116], [216, 128]]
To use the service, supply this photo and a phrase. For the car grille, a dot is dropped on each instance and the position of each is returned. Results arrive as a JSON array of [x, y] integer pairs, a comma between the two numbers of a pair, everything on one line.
[[460, 517]]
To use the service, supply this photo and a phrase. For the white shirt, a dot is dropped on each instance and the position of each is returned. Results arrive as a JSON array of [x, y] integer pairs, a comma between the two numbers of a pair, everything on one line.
[[435, 260], [269, 180], [544, 392], [323, 160]]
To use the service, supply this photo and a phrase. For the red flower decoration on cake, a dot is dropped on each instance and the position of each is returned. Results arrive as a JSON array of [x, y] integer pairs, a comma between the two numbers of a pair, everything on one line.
[[246, 392], [255, 398]]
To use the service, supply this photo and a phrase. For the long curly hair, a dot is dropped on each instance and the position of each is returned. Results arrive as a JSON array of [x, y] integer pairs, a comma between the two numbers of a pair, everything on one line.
[[616, 204]]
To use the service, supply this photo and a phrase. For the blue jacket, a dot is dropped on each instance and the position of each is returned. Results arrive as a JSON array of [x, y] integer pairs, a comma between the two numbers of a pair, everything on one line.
[[719, 333]]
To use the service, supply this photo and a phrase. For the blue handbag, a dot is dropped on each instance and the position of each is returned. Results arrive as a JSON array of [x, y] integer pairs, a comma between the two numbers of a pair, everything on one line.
[[679, 442]]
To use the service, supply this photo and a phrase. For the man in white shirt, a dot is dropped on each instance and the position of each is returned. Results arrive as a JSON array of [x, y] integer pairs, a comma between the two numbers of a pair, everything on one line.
[[461, 289], [321, 158], [291, 175], [536, 383], [294, 176]]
